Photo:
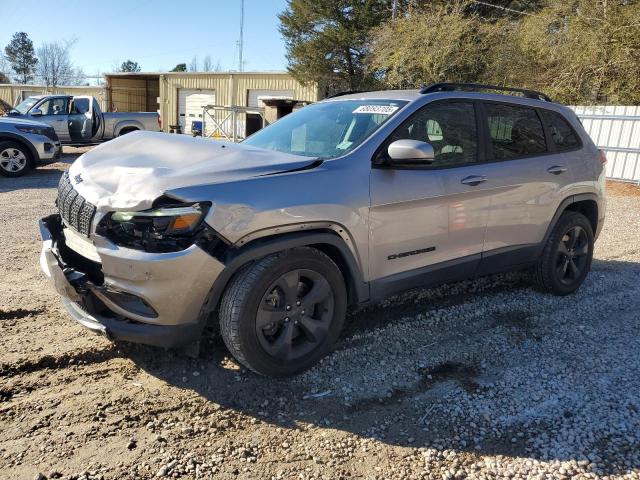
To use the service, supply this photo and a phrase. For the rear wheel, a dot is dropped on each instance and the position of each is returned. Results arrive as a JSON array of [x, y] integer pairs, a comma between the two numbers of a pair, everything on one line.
[[124, 131], [15, 159], [566, 258], [283, 313]]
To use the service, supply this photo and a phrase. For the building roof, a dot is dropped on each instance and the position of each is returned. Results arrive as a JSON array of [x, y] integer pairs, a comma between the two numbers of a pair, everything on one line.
[[142, 74]]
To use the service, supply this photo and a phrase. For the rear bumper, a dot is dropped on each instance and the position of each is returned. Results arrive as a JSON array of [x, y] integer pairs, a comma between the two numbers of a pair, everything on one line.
[[172, 287]]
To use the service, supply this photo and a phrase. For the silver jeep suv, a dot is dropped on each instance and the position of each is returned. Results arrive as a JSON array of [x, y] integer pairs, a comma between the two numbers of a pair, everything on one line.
[[340, 204]]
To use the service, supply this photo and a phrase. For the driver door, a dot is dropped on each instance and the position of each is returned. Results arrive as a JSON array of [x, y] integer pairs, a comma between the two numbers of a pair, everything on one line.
[[81, 120], [55, 113], [428, 223]]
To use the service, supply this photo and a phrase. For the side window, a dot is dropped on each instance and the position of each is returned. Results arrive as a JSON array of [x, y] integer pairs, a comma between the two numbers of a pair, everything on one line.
[[54, 106], [562, 135], [450, 128], [515, 131], [80, 106]]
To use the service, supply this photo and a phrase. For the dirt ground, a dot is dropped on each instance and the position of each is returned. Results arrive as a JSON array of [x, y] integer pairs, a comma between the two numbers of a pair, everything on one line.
[[482, 379]]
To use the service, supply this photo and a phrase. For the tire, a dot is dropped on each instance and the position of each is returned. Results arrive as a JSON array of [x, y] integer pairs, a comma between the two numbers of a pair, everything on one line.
[[569, 245], [263, 320], [15, 159]]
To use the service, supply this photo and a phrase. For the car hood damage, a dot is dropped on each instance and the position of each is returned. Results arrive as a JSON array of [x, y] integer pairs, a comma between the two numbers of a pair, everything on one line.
[[130, 172]]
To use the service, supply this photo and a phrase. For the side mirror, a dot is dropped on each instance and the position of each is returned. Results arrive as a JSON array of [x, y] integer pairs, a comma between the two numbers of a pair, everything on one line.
[[411, 152], [36, 112]]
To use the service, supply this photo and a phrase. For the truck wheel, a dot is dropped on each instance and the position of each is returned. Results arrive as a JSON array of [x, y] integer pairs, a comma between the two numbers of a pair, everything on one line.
[[15, 159], [127, 130], [283, 313], [566, 258]]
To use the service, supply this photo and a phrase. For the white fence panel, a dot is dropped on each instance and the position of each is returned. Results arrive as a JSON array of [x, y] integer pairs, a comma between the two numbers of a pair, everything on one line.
[[616, 130]]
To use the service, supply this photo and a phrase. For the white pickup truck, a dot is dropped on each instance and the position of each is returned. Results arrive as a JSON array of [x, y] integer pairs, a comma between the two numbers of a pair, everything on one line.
[[79, 119]]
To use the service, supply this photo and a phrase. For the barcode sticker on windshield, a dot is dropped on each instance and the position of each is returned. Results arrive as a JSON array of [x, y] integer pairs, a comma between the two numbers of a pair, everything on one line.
[[376, 109]]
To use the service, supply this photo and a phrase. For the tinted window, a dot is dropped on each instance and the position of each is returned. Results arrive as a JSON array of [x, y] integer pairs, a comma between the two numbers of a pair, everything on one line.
[[562, 135], [450, 128], [80, 106], [515, 131]]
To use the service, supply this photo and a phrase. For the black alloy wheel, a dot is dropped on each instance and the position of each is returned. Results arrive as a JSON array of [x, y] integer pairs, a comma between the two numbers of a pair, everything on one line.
[[566, 256], [282, 313], [572, 255], [295, 314]]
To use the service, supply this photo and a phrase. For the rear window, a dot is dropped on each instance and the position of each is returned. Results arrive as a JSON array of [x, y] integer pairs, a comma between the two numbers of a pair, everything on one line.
[[515, 132], [562, 135]]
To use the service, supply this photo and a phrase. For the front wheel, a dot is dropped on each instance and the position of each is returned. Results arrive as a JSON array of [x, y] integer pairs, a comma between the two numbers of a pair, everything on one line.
[[283, 313], [566, 258], [14, 159]]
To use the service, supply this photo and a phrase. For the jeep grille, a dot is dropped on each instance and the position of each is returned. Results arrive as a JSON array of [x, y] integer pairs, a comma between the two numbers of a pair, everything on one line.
[[74, 209]]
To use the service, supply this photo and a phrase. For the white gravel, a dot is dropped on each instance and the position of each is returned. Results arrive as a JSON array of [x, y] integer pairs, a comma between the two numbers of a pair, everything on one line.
[[551, 385]]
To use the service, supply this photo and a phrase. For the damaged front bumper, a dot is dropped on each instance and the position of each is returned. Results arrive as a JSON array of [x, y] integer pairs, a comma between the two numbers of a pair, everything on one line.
[[151, 298]]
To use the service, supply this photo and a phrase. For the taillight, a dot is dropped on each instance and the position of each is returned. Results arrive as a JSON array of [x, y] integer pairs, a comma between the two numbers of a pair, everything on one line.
[[603, 157], [159, 122]]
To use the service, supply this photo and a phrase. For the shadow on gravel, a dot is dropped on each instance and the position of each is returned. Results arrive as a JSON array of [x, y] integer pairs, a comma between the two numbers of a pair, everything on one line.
[[18, 313], [54, 362], [404, 417], [42, 177]]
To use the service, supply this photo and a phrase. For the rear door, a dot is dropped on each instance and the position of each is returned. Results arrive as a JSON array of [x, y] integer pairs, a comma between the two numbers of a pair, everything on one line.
[[55, 113], [527, 182], [428, 223]]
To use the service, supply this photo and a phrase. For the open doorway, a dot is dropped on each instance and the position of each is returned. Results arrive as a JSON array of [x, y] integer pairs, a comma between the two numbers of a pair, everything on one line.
[[253, 123]]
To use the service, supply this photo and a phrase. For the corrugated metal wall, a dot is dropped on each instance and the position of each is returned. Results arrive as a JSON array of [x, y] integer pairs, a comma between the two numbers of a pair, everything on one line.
[[133, 94], [11, 93], [230, 89], [616, 130]]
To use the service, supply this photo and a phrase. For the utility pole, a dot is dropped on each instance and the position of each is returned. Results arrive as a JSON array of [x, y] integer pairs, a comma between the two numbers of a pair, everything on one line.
[[241, 42]]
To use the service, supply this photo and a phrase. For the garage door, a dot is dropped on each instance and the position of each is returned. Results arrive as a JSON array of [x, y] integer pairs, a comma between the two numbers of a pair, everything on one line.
[[253, 95], [190, 103]]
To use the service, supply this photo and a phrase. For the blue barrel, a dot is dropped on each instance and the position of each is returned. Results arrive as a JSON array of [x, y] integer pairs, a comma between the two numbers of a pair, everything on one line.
[[196, 128]]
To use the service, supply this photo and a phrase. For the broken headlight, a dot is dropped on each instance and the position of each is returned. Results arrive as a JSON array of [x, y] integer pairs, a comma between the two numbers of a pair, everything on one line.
[[164, 229]]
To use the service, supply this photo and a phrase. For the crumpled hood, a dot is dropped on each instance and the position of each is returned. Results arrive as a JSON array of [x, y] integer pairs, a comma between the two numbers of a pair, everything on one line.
[[130, 172]]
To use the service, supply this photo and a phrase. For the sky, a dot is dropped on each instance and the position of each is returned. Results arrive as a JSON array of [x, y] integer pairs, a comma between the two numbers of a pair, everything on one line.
[[158, 34]]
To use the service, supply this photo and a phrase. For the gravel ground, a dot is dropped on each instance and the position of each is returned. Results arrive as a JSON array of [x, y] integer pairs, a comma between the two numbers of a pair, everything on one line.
[[483, 379]]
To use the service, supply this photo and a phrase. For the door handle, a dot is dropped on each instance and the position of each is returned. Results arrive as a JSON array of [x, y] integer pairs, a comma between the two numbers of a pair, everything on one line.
[[473, 180], [557, 169]]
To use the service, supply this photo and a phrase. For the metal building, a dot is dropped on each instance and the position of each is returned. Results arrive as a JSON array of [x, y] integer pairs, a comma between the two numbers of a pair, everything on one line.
[[180, 97]]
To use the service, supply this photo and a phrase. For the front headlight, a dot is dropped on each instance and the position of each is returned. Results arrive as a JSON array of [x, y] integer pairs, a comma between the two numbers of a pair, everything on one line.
[[164, 229], [33, 130]]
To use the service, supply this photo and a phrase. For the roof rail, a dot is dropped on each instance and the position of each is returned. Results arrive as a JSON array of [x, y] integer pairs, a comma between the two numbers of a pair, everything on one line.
[[448, 87], [346, 92]]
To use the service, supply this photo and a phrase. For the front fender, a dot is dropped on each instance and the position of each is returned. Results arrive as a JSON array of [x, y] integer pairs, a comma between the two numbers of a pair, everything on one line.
[[236, 258]]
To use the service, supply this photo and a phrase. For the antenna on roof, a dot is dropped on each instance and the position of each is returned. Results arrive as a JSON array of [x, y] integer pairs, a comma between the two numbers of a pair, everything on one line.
[[241, 41]]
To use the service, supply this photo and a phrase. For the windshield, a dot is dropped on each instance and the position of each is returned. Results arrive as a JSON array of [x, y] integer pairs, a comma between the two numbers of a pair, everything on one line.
[[24, 106], [326, 129]]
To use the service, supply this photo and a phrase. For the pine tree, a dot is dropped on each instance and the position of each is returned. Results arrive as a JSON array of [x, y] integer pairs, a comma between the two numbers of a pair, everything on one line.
[[129, 66], [327, 40], [21, 56]]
